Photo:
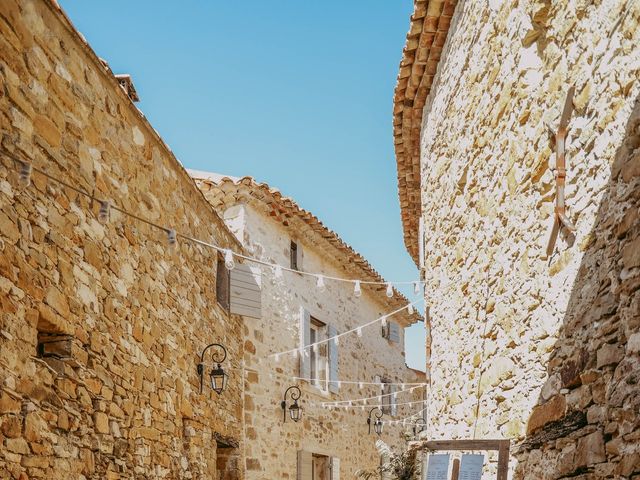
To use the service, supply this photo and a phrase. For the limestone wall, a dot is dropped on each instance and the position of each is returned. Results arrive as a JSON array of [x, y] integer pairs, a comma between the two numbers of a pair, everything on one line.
[[125, 404], [550, 344], [272, 445]]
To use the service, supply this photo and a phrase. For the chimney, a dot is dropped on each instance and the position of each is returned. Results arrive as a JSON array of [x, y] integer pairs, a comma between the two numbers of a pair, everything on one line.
[[126, 83]]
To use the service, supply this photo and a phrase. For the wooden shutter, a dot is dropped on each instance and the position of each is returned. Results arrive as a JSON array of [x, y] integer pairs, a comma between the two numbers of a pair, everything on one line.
[[245, 294], [222, 283], [299, 257], [335, 468], [394, 332], [305, 465], [421, 243], [305, 339], [333, 360], [392, 401]]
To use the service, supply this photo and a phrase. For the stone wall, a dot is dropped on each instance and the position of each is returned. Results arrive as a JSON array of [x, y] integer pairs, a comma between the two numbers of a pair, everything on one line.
[[123, 401], [272, 446], [547, 346]]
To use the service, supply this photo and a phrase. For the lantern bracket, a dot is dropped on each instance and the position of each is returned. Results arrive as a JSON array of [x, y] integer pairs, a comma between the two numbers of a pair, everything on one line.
[[216, 358]]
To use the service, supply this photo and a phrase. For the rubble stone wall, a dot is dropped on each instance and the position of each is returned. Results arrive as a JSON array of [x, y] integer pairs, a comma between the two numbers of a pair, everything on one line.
[[549, 344], [119, 397]]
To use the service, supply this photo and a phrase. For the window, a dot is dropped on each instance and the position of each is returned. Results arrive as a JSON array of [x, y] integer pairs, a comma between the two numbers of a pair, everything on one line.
[[293, 253], [223, 284], [318, 355], [388, 398]]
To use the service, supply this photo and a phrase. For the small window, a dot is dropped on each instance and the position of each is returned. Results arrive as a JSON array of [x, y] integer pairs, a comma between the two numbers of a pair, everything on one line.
[[223, 284], [318, 355], [294, 256]]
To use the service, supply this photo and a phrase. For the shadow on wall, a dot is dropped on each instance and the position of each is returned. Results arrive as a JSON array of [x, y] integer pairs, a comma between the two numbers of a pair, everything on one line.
[[587, 421]]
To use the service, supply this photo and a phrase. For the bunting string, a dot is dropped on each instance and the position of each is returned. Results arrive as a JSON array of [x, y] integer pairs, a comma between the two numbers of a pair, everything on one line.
[[25, 169]]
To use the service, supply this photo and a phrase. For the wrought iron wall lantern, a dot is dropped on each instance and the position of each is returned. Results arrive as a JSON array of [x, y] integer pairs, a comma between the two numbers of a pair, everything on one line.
[[295, 410], [377, 423], [217, 376], [418, 426]]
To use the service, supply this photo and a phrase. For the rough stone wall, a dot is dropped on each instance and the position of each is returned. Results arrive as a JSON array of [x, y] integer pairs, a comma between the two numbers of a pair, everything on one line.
[[272, 446], [548, 344], [125, 403]]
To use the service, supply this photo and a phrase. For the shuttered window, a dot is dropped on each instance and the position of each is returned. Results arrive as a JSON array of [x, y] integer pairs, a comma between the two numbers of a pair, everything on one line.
[[223, 286]]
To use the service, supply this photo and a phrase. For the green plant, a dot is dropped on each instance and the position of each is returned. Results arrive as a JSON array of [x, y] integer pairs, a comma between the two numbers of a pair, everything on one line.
[[398, 466]]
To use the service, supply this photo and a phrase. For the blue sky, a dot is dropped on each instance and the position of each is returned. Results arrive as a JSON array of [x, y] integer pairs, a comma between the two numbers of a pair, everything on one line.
[[297, 94]]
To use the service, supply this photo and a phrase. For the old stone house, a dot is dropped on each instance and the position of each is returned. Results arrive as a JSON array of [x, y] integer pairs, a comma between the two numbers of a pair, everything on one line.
[[101, 324], [290, 311], [535, 333]]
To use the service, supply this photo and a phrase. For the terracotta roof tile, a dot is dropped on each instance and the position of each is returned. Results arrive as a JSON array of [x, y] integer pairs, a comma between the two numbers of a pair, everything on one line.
[[224, 191], [427, 35]]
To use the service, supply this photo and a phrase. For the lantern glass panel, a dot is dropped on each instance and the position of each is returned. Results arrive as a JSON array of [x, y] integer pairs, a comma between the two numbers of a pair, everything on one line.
[[218, 380], [378, 427], [295, 412]]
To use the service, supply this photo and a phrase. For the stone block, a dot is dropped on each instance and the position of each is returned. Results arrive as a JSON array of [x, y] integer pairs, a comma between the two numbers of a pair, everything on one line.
[[551, 411], [590, 450], [11, 426], [101, 422], [609, 354]]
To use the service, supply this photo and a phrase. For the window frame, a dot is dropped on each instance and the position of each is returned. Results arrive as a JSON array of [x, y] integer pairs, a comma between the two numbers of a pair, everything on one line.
[[293, 256], [318, 361]]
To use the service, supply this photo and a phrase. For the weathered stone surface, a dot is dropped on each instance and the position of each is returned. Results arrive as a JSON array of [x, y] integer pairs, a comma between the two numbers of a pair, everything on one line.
[[566, 313], [106, 405], [590, 450], [610, 355], [550, 411]]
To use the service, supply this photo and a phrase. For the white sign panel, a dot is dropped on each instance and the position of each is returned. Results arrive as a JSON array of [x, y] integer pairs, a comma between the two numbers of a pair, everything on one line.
[[437, 467], [471, 467]]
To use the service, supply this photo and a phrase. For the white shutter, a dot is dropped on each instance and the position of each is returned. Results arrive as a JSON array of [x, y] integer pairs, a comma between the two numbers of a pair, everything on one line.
[[305, 339], [421, 243], [245, 294], [393, 402], [333, 360], [335, 468], [305, 465], [394, 332]]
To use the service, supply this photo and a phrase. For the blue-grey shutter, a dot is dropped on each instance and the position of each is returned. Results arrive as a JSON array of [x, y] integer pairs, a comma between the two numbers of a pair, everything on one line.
[[393, 402], [245, 291], [333, 360], [394, 332], [305, 339]]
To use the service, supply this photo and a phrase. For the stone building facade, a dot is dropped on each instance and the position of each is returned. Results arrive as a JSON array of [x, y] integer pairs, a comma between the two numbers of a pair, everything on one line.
[[334, 443], [101, 326], [540, 347]]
